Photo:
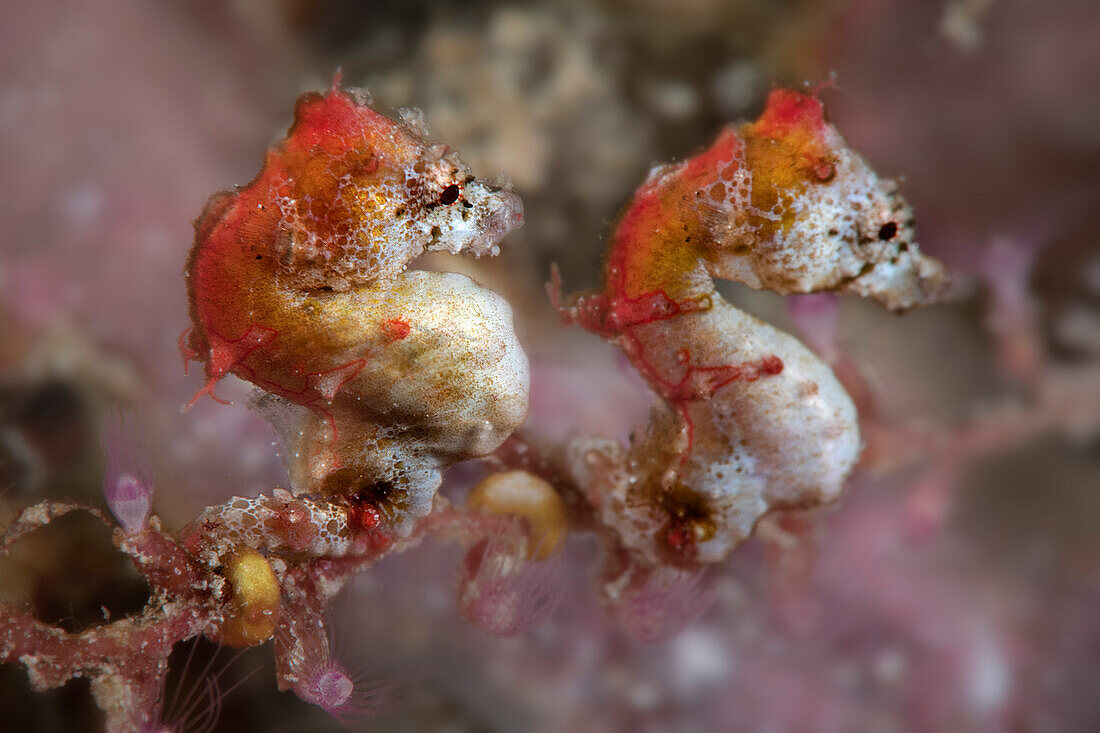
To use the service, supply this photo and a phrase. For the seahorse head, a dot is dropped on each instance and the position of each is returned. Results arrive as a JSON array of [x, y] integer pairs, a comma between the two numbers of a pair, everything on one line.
[[350, 196], [797, 210], [345, 201], [807, 181]]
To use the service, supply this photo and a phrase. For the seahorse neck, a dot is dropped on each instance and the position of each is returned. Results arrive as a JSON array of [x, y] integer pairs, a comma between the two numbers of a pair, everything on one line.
[[657, 247]]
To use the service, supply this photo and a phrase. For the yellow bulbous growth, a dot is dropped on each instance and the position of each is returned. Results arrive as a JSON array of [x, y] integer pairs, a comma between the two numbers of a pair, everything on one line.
[[524, 495], [253, 609]]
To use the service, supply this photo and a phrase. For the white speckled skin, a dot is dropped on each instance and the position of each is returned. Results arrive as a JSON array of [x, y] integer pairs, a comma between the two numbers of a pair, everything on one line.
[[781, 204], [452, 389], [784, 440], [377, 377], [832, 242]]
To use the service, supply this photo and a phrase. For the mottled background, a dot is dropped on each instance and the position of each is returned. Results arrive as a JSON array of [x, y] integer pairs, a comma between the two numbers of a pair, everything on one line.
[[952, 588]]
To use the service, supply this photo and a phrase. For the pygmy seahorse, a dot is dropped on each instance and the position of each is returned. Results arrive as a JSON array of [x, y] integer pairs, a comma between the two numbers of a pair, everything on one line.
[[377, 377], [750, 420]]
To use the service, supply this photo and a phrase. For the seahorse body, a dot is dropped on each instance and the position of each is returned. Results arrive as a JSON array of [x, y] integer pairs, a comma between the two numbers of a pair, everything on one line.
[[749, 419], [378, 376]]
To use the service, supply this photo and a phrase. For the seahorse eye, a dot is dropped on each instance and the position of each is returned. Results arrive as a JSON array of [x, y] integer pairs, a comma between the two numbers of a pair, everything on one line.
[[449, 195], [888, 231]]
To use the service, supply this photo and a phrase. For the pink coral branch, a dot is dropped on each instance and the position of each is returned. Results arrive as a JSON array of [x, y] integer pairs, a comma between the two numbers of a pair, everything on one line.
[[127, 659]]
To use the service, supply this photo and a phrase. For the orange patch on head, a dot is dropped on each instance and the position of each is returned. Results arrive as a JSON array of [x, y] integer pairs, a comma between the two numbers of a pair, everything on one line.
[[787, 150]]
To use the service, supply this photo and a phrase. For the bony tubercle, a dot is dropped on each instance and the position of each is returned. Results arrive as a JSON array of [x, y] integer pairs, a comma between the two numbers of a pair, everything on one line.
[[526, 496], [252, 609]]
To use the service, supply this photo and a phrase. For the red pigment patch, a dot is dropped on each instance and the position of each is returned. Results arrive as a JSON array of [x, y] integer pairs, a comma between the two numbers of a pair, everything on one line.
[[609, 317], [824, 171], [363, 516], [680, 541], [365, 520], [333, 123], [652, 307], [226, 354], [788, 112], [396, 328]]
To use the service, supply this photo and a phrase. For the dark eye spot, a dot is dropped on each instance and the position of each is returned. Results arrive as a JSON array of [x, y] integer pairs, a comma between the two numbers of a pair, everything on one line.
[[887, 231], [449, 195]]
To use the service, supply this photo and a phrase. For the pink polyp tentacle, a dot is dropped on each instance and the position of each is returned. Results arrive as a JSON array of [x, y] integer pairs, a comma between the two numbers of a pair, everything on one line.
[[505, 593], [128, 478]]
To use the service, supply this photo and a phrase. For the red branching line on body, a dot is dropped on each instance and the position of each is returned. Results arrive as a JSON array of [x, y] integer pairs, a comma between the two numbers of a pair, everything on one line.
[[610, 317], [325, 384], [186, 352], [618, 318], [207, 389], [225, 354]]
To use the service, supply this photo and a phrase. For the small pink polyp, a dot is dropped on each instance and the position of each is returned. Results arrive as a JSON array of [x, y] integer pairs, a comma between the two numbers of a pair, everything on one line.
[[506, 594], [333, 689], [128, 479]]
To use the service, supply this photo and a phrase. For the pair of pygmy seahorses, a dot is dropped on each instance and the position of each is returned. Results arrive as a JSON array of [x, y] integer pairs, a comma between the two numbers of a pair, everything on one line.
[[378, 378]]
